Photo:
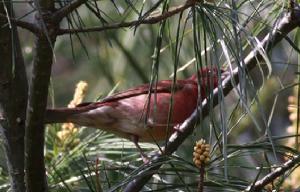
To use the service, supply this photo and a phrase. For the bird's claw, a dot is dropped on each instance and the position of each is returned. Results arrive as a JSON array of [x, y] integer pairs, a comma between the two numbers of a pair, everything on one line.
[[145, 159]]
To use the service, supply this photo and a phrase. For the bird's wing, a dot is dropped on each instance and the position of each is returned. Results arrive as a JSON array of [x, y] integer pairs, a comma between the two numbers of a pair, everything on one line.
[[164, 86]]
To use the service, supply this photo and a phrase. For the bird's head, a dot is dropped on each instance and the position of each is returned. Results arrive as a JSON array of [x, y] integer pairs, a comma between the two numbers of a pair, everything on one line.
[[207, 74], [208, 78]]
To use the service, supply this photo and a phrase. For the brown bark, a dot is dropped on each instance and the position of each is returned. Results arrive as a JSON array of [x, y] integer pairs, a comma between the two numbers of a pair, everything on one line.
[[13, 99], [35, 177]]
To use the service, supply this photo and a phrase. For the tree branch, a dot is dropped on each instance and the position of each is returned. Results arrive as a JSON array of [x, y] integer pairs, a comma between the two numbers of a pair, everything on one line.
[[258, 185], [64, 11], [23, 24], [42, 62], [286, 24], [13, 98], [149, 20], [37, 102]]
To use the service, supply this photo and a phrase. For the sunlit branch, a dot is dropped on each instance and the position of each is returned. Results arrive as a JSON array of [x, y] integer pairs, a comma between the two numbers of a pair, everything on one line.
[[258, 185]]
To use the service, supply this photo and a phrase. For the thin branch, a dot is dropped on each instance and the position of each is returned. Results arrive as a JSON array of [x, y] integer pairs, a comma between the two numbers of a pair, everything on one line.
[[201, 179], [64, 11], [286, 24], [37, 102], [149, 20], [258, 185], [36, 179], [23, 24]]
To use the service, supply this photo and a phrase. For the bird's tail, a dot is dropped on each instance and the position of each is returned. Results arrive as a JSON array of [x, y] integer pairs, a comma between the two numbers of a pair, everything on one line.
[[62, 115]]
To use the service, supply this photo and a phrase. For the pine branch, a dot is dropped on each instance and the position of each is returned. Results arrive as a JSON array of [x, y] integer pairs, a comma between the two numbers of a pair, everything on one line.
[[150, 20], [286, 24], [260, 184], [23, 24], [64, 11]]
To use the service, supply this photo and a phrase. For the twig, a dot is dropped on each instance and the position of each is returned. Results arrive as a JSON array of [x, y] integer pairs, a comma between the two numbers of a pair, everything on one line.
[[23, 24], [286, 24], [98, 184], [64, 11], [61, 13], [201, 179], [149, 20], [258, 185]]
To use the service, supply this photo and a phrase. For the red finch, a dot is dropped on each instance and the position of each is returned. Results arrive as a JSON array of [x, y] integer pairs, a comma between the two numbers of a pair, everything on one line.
[[142, 113]]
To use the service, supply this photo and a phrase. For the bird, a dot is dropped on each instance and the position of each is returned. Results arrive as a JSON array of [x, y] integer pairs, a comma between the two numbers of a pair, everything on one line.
[[145, 113]]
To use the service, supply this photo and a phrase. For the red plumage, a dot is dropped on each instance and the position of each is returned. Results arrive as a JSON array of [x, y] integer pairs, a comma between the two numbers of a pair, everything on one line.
[[129, 114]]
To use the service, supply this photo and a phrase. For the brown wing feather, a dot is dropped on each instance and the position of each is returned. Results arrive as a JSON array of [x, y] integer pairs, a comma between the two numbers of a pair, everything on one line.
[[164, 86]]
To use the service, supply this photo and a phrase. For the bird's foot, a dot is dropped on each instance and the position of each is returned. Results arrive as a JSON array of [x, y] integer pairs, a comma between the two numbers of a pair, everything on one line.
[[145, 159]]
